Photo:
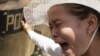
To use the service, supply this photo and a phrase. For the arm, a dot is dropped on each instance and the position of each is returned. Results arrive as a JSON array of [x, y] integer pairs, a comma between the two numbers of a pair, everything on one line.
[[44, 43]]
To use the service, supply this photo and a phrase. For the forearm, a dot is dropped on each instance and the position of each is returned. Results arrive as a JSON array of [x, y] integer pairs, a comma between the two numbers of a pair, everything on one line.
[[45, 43], [40, 40]]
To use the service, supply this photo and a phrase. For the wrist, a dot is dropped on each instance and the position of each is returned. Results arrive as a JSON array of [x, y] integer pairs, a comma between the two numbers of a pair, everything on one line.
[[27, 30]]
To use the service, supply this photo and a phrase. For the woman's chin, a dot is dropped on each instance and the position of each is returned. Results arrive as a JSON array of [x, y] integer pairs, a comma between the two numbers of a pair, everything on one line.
[[68, 52]]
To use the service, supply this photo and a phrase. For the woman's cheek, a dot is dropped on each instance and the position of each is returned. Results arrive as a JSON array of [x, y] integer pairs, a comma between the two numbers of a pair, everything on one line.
[[68, 34]]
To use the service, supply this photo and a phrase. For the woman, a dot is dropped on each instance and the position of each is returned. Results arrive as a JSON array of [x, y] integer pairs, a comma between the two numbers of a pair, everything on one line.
[[75, 27]]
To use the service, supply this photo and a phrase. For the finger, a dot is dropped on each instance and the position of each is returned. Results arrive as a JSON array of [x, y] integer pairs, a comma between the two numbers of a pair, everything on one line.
[[22, 22]]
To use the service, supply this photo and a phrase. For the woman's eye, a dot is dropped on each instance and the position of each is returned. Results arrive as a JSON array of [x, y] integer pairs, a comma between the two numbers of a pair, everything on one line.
[[58, 24], [51, 26]]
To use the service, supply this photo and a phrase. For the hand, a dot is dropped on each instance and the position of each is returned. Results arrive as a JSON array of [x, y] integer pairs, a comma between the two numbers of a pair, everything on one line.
[[26, 26]]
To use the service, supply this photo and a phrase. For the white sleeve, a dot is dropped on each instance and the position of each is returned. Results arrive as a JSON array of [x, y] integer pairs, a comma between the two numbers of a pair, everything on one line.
[[46, 44]]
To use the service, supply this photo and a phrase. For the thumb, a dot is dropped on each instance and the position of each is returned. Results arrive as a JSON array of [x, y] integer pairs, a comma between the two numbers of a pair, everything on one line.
[[22, 22]]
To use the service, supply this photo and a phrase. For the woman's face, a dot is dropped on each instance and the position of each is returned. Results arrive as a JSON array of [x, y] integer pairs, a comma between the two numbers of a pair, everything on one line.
[[67, 30]]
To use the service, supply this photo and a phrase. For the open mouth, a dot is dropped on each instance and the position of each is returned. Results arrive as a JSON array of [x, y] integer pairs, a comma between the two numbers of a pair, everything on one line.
[[64, 46], [67, 49]]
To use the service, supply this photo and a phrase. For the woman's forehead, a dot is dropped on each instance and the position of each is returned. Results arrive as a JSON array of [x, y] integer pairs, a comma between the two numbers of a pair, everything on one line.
[[56, 10]]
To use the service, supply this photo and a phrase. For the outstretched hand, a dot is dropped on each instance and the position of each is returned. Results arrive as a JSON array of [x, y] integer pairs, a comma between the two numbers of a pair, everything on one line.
[[26, 26]]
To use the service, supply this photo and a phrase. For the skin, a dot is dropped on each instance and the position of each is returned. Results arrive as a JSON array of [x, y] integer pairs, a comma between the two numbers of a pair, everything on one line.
[[94, 49], [67, 28]]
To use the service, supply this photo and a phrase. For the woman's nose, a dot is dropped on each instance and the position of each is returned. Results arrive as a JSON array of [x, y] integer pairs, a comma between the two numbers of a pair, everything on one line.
[[54, 33]]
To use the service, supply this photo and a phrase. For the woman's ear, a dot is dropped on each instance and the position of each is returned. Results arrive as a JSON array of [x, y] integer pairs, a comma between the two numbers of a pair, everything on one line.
[[92, 23]]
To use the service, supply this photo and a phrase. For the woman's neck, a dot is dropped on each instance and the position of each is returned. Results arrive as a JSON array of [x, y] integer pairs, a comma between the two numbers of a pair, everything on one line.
[[94, 49]]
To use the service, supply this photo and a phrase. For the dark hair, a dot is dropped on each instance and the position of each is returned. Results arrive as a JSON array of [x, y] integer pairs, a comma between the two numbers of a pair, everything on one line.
[[81, 11]]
